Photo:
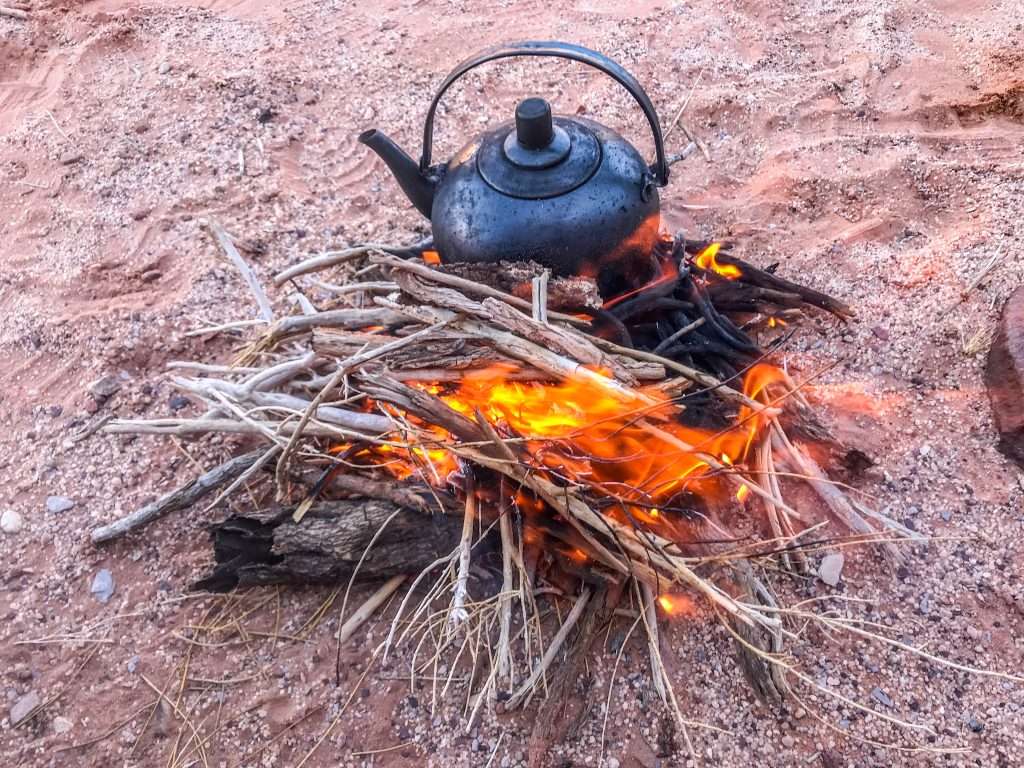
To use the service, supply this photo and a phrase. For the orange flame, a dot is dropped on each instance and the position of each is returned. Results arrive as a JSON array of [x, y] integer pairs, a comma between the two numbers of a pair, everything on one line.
[[676, 605], [432, 257], [627, 444], [707, 259]]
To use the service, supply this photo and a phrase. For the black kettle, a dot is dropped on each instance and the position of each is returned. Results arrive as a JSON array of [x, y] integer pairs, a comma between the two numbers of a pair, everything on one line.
[[567, 192]]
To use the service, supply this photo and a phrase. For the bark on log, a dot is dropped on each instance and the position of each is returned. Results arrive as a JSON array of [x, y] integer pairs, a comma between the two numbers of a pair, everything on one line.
[[261, 548]]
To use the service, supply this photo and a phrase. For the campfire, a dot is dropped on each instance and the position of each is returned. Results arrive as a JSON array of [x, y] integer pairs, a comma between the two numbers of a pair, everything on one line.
[[446, 437], [530, 451]]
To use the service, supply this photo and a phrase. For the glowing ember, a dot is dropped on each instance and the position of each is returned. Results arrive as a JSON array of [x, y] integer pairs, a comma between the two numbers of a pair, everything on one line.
[[676, 605], [669, 272], [707, 259], [432, 257]]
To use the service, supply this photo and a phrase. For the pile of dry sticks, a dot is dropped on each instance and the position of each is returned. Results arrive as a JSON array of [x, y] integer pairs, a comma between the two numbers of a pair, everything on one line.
[[500, 442]]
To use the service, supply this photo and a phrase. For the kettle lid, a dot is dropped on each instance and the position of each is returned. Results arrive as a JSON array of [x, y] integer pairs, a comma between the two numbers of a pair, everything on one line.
[[540, 156]]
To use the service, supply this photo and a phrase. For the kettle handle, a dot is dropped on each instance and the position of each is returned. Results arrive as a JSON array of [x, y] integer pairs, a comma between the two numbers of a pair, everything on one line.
[[564, 51]]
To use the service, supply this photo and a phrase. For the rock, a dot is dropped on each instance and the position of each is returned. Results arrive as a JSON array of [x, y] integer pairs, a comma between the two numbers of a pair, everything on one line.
[[177, 402], [163, 68], [881, 697], [23, 707], [58, 504], [62, 725], [11, 522], [105, 387], [133, 664], [612, 762], [70, 157], [831, 568], [1004, 377], [974, 724], [788, 741], [103, 586]]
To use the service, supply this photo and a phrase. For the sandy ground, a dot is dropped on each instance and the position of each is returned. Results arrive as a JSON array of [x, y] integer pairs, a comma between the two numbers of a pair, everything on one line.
[[873, 149]]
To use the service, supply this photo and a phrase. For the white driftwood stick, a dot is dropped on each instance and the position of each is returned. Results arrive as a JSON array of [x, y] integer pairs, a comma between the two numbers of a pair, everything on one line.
[[651, 622], [266, 311], [370, 423], [328, 259], [180, 498], [373, 602], [468, 286], [458, 612], [190, 427], [13, 13], [552, 650], [505, 600]]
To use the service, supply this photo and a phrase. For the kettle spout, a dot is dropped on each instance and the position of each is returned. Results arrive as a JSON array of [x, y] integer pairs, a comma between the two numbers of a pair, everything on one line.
[[417, 187]]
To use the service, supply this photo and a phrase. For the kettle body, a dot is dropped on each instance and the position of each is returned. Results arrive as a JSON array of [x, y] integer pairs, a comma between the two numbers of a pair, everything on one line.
[[567, 192]]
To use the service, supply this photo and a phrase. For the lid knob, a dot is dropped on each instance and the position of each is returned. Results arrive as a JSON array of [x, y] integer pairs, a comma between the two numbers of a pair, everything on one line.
[[534, 127]]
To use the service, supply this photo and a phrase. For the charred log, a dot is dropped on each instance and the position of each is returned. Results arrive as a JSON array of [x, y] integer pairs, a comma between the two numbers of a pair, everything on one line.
[[267, 547]]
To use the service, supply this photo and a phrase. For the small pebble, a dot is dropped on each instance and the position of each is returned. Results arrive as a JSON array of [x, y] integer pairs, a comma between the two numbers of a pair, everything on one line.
[[23, 707], [164, 68], [133, 664], [11, 522], [62, 725], [103, 586], [177, 402], [105, 387], [57, 504], [881, 697], [831, 568]]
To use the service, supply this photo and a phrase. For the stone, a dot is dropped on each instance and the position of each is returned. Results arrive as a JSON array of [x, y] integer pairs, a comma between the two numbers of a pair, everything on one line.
[[70, 157], [62, 725], [881, 697], [105, 387], [177, 402], [103, 586], [163, 68], [56, 504], [831, 568], [11, 522], [1004, 377], [23, 707]]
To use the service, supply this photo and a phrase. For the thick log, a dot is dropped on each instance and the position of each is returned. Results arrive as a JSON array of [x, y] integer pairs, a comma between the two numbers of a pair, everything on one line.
[[261, 548]]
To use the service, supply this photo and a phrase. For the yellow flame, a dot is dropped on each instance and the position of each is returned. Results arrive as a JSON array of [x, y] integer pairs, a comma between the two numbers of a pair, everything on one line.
[[706, 259]]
